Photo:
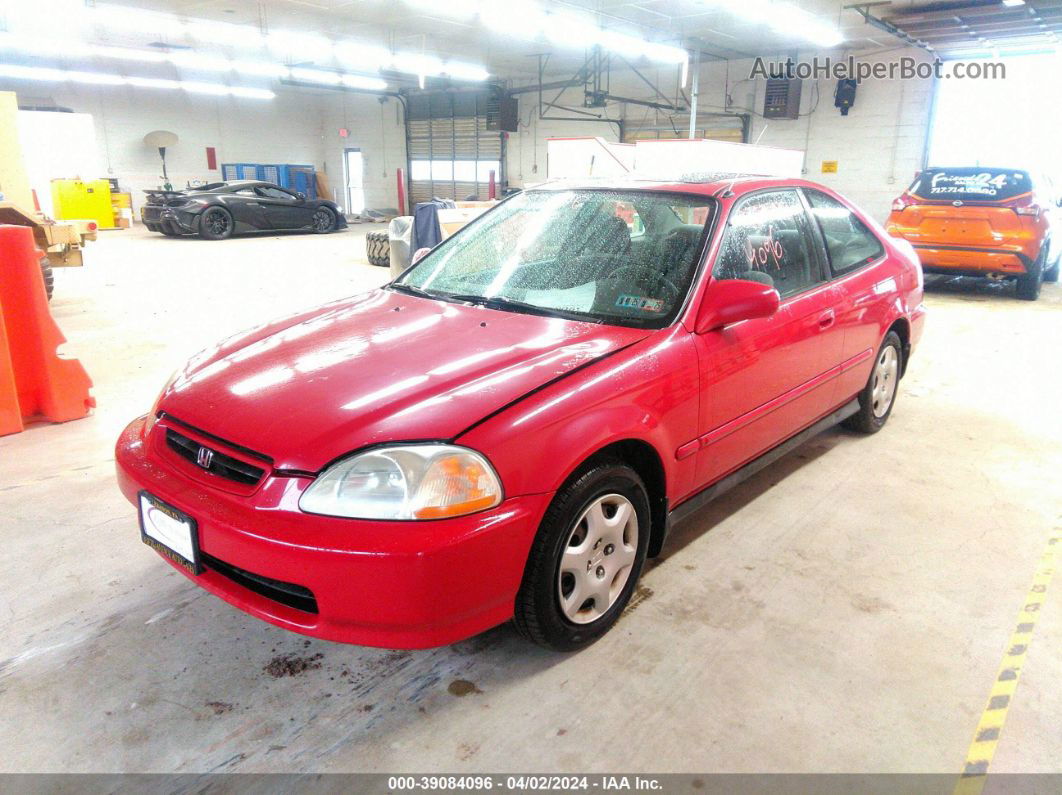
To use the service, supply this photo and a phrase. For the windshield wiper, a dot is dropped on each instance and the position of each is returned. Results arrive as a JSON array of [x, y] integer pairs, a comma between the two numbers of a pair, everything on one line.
[[410, 289], [503, 303]]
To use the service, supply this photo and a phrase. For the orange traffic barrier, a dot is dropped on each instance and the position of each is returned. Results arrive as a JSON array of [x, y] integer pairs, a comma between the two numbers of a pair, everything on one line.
[[35, 382]]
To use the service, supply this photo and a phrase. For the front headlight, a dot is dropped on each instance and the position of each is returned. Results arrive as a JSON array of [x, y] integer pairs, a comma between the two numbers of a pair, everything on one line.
[[416, 481]]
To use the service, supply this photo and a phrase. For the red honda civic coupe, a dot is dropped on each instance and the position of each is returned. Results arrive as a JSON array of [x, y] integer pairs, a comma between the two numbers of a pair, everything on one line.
[[509, 429]]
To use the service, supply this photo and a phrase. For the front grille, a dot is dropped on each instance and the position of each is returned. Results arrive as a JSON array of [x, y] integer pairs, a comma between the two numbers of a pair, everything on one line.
[[286, 593], [224, 466]]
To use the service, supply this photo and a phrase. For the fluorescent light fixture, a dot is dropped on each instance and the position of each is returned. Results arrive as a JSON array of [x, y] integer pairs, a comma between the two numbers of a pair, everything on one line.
[[78, 20], [314, 76], [1013, 2], [260, 68], [204, 63], [251, 93], [32, 73], [152, 82], [369, 83], [19, 72], [325, 78], [464, 71]]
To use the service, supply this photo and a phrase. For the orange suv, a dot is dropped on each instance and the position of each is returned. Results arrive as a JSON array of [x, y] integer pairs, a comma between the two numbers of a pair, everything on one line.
[[977, 221]]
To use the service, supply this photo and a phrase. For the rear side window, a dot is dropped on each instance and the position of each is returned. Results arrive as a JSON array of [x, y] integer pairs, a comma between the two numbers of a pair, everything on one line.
[[848, 241], [768, 239], [970, 184]]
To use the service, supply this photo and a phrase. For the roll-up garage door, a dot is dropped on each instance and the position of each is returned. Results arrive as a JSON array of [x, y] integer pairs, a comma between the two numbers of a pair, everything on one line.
[[717, 127], [451, 151]]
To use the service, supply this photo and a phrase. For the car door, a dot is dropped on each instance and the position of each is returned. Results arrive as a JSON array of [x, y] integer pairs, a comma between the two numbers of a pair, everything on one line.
[[246, 208], [765, 379], [283, 209], [865, 290]]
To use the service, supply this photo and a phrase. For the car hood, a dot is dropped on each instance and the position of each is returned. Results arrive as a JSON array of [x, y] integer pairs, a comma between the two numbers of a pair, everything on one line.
[[376, 368]]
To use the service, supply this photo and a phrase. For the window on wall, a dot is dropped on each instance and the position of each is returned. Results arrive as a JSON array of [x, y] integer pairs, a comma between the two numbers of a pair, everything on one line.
[[451, 151]]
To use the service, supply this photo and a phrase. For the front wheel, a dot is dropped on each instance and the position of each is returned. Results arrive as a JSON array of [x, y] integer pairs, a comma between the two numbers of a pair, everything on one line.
[[215, 223], [879, 395], [324, 221], [585, 559]]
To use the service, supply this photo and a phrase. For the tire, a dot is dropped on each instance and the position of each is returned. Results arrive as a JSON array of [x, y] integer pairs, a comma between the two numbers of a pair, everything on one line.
[[49, 277], [153, 227], [870, 418], [1052, 274], [1029, 283], [378, 249], [324, 221], [215, 223], [542, 614]]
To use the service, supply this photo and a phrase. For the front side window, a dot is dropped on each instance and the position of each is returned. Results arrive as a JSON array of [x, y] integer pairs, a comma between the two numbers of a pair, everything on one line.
[[623, 257], [768, 240], [848, 241], [274, 193]]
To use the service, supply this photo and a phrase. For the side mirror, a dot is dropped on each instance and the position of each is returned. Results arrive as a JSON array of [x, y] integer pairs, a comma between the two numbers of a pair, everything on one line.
[[419, 254], [731, 300], [301, 195]]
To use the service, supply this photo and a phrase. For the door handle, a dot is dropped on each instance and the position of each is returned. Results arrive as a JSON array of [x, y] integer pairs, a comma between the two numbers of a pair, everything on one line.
[[826, 320]]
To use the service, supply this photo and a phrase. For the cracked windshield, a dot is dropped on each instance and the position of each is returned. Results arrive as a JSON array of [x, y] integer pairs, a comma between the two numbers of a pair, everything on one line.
[[623, 257]]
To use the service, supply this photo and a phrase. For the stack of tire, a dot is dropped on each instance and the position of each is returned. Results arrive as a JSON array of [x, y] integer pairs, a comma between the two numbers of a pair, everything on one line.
[[49, 277], [378, 249]]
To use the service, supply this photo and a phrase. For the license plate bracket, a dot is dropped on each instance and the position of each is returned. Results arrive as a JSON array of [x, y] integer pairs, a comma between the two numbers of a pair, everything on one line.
[[170, 532]]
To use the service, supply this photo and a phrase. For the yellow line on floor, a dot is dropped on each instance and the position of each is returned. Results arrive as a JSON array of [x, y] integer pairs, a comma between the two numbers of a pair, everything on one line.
[[990, 727]]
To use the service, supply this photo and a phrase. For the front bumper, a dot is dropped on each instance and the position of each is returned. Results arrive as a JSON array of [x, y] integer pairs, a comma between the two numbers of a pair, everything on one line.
[[376, 583]]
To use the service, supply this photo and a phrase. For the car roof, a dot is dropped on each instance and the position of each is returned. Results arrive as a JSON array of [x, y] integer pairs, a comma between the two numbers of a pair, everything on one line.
[[703, 184], [232, 185]]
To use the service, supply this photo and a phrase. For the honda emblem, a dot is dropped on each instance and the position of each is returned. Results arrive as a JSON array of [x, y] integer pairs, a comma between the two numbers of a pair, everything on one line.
[[205, 457]]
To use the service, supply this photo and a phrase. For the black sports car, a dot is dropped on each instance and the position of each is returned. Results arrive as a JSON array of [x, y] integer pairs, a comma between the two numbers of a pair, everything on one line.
[[221, 209]]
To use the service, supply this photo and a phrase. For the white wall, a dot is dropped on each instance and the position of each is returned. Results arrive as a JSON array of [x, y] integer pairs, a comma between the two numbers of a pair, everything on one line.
[[878, 146], [295, 127]]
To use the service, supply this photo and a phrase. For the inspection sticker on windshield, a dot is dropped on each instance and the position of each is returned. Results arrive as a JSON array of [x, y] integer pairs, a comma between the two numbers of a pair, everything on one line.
[[640, 302]]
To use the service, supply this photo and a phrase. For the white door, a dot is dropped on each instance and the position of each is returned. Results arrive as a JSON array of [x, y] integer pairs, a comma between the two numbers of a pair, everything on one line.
[[355, 169]]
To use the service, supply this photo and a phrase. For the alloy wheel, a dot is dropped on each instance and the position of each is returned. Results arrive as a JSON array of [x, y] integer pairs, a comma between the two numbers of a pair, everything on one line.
[[598, 558], [322, 220], [883, 390], [217, 222]]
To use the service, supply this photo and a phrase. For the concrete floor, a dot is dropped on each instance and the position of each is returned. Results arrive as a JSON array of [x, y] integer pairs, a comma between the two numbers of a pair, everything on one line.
[[845, 610]]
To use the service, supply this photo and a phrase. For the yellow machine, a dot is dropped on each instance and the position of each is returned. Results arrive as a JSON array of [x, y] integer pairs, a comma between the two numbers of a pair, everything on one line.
[[75, 199], [61, 241]]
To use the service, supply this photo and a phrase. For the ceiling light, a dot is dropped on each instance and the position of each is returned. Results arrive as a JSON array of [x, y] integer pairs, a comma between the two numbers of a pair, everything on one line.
[[103, 78], [259, 68], [314, 76], [369, 83], [204, 63], [464, 71], [1011, 3], [32, 73]]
